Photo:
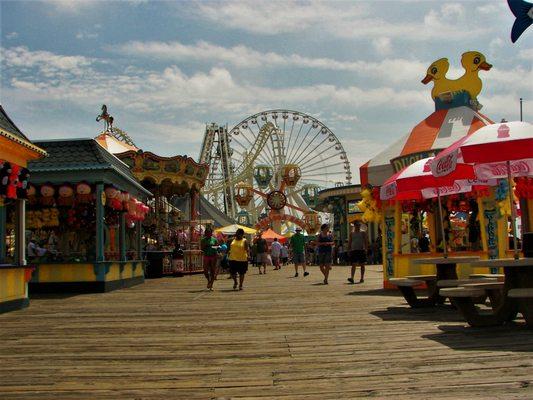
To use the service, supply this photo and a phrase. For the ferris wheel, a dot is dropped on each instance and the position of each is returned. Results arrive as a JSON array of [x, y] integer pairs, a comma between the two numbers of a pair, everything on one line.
[[273, 161]]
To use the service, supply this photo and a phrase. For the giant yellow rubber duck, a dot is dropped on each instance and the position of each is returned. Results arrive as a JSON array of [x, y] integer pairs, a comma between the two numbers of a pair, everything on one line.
[[472, 62], [437, 73]]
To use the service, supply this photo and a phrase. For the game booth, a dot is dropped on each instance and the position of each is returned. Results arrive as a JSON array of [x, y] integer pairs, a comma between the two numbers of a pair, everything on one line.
[[475, 219], [16, 151], [84, 216]]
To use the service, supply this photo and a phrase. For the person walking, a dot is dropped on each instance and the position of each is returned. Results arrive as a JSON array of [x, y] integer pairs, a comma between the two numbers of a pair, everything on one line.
[[284, 254], [238, 258], [275, 253], [209, 246], [324, 248], [297, 243], [358, 245], [261, 256]]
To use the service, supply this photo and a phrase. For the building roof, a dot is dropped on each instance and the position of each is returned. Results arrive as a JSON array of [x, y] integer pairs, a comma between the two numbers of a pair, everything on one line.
[[436, 132], [11, 131], [339, 191], [75, 160]]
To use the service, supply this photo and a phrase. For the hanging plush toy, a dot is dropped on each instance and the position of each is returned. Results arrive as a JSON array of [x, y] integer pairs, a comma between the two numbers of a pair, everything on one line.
[[32, 194], [113, 198], [13, 182], [65, 196], [83, 193], [22, 188], [47, 195], [54, 217], [5, 171]]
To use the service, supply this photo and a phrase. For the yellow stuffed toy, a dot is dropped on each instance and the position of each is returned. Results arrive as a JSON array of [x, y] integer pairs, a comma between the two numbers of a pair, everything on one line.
[[369, 207]]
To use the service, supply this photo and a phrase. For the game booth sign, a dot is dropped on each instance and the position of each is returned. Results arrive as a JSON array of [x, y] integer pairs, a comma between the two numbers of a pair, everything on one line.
[[84, 219], [15, 152], [475, 221]]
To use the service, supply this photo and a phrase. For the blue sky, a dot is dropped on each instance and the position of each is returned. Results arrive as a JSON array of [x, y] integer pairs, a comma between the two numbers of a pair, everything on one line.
[[166, 68]]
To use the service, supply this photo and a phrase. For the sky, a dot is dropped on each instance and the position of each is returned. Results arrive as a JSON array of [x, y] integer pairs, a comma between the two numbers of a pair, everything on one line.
[[165, 69]]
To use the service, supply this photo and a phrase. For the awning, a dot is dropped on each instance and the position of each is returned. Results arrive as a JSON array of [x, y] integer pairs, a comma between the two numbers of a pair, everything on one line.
[[436, 132]]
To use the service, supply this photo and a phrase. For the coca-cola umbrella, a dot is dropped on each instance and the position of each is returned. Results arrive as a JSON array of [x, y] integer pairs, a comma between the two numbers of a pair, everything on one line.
[[495, 151], [417, 182]]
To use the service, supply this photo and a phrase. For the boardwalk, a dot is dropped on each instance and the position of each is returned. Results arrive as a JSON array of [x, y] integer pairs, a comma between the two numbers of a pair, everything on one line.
[[279, 338]]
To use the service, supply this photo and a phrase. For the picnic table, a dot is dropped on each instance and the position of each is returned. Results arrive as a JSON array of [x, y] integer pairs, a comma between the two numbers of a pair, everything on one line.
[[446, 275], [517, 294]]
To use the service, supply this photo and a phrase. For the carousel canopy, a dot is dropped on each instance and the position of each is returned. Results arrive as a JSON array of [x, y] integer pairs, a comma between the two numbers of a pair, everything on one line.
[[435, 133], [167, 176], [114, 145], [75, 160]]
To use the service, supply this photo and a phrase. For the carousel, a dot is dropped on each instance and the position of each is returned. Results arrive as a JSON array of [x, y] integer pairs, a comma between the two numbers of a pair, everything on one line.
[[171, 179], [467, 218], [16, 151]]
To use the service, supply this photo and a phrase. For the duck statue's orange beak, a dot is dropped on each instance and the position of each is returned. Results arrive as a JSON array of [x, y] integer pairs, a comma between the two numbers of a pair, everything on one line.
[[428, 78], [485, 66]]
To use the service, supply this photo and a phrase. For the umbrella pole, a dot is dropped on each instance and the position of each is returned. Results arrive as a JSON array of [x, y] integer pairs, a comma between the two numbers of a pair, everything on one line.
[[513, 211], [445, 246]]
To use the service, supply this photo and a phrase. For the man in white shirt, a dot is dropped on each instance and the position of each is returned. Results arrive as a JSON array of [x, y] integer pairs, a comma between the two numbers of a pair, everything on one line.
[[275, 252]]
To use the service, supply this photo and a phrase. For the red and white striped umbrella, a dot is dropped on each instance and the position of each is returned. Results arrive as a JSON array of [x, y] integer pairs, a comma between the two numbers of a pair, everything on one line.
[[496, 151], [417, 177], [416, 181], [489, 149]]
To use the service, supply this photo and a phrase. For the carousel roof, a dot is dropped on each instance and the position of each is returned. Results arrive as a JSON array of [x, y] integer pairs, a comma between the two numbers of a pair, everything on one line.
[[75, 160], [435, 133], [113, 144]]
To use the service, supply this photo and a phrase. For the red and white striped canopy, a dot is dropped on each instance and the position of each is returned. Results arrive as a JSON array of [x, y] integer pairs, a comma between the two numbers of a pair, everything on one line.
[[417, 181], [489, 149]]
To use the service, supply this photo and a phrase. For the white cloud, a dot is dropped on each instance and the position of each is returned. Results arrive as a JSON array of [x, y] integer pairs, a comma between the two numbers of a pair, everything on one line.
[[382, 45], [276, 17], [340, 19], [390, 70], [526, 54], [48, 63], [72, 6], [86, 35]]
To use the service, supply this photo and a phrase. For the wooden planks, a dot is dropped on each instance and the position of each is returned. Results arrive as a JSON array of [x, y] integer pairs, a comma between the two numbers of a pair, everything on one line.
[[282, 337]]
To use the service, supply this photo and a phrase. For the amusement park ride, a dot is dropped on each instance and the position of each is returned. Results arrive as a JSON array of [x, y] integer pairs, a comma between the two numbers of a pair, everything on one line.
[[268, 169]]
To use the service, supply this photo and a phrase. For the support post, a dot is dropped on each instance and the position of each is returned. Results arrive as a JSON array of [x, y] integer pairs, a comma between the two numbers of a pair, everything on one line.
[[100, 198], [193, 216], [20, 231], [3, 247], [138, 238], [122, 236]]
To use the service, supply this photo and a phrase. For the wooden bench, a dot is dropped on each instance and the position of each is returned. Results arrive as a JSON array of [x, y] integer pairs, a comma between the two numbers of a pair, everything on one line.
[[521, 293], [497, 276], [405, 282], [524, 296], [461, 292], [423, 277], [450, 283], [407, 288]]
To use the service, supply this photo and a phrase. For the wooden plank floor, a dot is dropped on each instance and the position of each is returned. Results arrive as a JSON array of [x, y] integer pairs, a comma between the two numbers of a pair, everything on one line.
[[281, 337]]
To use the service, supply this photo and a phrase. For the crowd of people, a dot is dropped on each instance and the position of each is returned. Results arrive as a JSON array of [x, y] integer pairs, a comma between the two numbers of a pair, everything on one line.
[[235, 254]]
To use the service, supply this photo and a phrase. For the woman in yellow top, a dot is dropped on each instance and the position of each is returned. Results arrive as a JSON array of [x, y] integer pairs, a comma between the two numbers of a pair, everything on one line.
[[238, 258]]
